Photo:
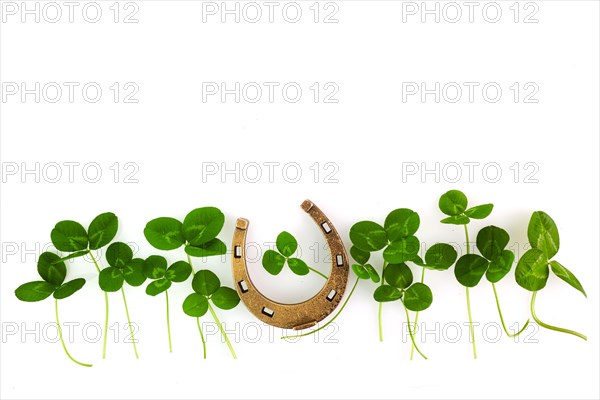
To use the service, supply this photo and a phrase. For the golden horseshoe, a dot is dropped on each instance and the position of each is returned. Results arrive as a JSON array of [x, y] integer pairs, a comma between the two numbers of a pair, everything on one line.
[[300, 315]]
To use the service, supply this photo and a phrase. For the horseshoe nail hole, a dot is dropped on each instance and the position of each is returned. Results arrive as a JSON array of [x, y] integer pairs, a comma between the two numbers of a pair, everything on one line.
[[243, 286], [339, 260], [268, 312], [237, 252], [326, 227], [331, 295]]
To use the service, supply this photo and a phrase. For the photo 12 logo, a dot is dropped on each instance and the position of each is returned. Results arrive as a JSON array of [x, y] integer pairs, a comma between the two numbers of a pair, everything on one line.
[[453, 12], [253, 12], [269, 92], [470, 171], [69, 92], [469, 92], [69, 172], [269, 172], [53, 12]]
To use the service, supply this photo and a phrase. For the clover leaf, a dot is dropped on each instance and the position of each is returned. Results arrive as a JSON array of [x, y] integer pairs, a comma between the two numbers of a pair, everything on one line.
[[399, 278], [469, 268], [198, 232], [155, 268], [71, 237], [396, 237], [454, 204], [533, 268], [53, 271], [399, 286], [495, 261], [273, 261], [399, 244], [123, 268], [207, 288]]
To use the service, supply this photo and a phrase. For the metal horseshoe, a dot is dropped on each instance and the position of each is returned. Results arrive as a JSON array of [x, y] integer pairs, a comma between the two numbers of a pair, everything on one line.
[[300, 315]]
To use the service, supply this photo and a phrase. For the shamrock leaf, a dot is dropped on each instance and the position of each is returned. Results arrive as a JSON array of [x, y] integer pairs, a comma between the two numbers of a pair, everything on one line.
[[202, 225], [102, 230], [535, 265], [53, 271], [164, 233], [273, 261], [418, 297], [454, 204], [155, 268], [439, 257], [207, 288], [69, 236], [368, 236], [401, 223], [495, 261], [398, 275]]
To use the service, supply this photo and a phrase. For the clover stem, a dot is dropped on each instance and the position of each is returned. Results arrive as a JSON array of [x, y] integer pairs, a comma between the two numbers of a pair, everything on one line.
[[412, 346], [197, 318], [62, 341], [223, 333], [379, 313], [105, 308], [129, 323], [410, 331], [471, 329], [168, 322], [318, 272], [331, 320], [201, 336], [553, 328], [190, 262], [512, 335]]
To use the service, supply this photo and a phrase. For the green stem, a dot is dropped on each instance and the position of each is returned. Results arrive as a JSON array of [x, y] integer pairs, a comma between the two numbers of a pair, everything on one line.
[[412, 346], [197, 318], [318, 273], [380, 312], [223, 333], [168, 322], [331, 320], [129, 322], [412, 338], [467, 236], [554, 328], [62, 341], [105, 333], [471, 329], [201, 336], [190, 262], [512, 335]]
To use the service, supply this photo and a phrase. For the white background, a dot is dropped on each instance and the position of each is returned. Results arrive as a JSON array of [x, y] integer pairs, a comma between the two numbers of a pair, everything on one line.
[[370, 134]]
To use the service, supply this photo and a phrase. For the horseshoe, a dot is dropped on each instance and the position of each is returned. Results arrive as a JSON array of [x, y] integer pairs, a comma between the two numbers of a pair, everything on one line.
[[300, 315]]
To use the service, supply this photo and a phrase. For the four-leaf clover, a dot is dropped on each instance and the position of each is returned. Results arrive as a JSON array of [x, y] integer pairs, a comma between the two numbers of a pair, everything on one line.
[[155, 268], [123, 268]]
